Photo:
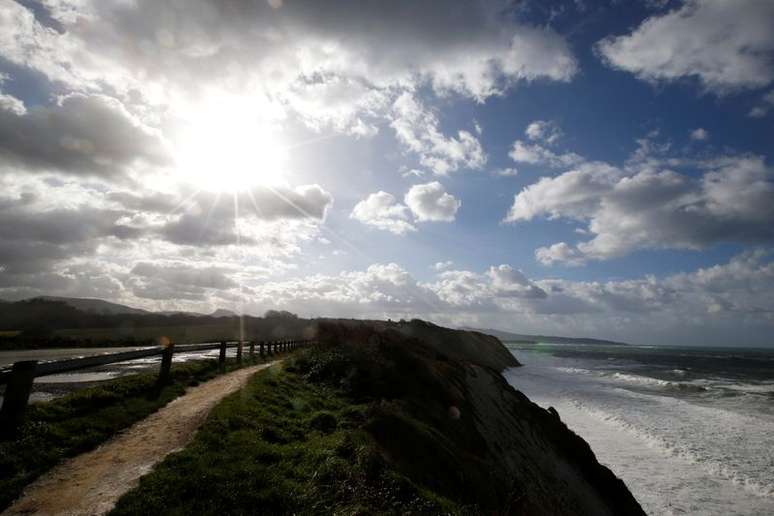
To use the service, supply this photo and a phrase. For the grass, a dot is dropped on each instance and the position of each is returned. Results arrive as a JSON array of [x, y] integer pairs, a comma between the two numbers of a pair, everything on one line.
[[80, 421], [282, 445]]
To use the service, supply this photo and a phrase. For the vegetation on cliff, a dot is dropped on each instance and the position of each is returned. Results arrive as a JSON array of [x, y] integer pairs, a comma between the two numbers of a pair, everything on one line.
[[379, 419]]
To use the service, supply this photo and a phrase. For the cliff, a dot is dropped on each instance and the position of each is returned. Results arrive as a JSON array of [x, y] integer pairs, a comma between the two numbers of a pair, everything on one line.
[[444, 417], [383, 418], [464, 345]]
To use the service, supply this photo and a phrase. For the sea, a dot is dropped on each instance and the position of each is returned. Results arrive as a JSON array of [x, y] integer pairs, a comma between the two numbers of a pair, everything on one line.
[[690, 431]]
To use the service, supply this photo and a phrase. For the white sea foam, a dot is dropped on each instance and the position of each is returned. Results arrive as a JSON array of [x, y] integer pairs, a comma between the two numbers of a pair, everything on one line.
[[573, 370], [678, 453], [648, 381]]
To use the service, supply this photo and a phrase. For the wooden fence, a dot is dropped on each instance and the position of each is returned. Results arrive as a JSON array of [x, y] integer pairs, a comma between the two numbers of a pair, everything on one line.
[[18, 379]]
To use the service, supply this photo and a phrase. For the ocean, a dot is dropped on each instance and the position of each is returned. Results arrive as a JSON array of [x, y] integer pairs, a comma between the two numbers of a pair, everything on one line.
[[690, 431]]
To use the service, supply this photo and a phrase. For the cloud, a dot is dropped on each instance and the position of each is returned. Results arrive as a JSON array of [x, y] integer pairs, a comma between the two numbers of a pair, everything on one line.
[[81, 239], [418, 130], [381, 290], [535, 154], [646, 208], [763, 108], [727, 46], [425, 202], [81, 135], [506, 172], [559, 253], [430, 202], [543, 131], [702, 306], [700, 134], [11, 104], [440, 266], [509, 282], [208, 220], [573, 194], [170, 280], [382, 211], [34, 239], [292, 52]]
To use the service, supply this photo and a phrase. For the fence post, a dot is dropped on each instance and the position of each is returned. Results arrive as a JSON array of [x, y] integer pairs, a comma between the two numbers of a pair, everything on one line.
[[252, 351], [222, 356], [17, 394], [239, 351], [260, 349], [166, 365]]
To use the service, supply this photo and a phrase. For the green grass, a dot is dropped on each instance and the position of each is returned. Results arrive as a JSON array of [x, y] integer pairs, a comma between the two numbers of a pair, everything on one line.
[[80, 421], [282, 445]]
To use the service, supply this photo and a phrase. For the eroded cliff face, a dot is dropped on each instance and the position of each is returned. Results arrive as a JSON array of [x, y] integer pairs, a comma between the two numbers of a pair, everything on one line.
[[444, 416], [556, 468]]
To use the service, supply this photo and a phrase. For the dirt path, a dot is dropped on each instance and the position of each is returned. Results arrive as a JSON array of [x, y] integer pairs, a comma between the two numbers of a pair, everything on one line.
[[91, 483]]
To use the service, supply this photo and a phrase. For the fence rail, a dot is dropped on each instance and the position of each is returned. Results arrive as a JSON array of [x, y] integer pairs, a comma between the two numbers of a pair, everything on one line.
[[19, 378]]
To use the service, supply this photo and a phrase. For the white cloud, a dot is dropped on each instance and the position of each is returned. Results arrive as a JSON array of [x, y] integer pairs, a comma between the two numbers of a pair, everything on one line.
[[573, 194], [442, 266], [543, 131], [430, 202], [706, 306], [293, 54], [560, 252], [506, 172], [426, 202], [725, 45], [412, 172], [647, 208], [417, 129], [763, 108], [509, 282], [382, 211], [699, 134], [11, 104], [535, 154]]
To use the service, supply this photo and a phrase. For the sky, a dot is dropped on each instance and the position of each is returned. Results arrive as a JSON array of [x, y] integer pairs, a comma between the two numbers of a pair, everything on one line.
[[570, 168]]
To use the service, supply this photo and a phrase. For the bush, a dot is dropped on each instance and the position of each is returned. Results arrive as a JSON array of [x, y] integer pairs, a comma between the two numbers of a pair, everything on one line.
[[324, 422]]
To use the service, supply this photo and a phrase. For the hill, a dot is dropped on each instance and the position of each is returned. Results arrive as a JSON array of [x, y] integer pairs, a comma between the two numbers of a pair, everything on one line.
[[95, 306]]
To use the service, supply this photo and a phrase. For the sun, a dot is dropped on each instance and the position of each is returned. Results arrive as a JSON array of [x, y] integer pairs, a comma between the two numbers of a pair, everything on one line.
[[223, 147]]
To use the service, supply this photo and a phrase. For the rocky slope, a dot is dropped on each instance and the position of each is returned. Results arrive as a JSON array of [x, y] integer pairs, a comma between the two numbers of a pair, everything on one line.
[[443, 415]]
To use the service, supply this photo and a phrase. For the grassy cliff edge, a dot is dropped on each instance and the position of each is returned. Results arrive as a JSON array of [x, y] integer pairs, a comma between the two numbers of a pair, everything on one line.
[[384, 418]]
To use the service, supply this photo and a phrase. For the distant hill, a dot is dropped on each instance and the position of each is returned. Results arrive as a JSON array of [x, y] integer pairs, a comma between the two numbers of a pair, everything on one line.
[[180, 312], [222, 312], [95, 306], [508, 336]]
